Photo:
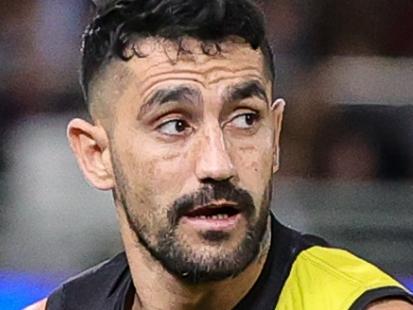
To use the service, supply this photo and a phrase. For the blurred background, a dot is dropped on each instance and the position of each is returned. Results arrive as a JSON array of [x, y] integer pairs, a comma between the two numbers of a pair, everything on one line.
[[345, 69]]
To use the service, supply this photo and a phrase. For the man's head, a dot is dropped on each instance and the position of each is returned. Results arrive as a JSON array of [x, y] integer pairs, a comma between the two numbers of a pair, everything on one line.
[[119, 23], [185, 132]]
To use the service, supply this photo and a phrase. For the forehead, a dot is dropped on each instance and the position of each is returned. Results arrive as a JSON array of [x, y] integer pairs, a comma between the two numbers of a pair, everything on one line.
[[162, 61]]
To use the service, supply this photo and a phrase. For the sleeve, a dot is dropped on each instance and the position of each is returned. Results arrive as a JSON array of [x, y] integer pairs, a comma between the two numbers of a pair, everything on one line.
[[391, 292], [334, 279]]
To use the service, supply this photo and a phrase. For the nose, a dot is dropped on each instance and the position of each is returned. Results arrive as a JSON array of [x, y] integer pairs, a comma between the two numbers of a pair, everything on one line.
[[214, 162]]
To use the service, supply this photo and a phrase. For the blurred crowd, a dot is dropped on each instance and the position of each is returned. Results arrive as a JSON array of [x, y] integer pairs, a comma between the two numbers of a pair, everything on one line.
[[342, 122], [344, 67]]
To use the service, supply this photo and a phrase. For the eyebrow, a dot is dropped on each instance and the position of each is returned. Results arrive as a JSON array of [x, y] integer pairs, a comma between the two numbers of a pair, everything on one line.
[[245, 90], [181, 93]]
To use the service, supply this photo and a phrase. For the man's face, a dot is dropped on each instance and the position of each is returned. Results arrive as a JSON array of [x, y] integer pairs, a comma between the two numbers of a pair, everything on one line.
[[192, 146]]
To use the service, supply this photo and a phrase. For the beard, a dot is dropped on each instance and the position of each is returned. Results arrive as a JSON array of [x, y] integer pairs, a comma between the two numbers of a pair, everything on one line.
[[190, 263]]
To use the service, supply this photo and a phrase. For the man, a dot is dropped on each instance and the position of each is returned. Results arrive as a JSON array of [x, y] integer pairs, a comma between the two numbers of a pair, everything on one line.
[[186, 135]]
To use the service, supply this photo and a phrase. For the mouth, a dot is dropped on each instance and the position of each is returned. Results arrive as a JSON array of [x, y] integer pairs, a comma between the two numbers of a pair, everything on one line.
[[214, 217]]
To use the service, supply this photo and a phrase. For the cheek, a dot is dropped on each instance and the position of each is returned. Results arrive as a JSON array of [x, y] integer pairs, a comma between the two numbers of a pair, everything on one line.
[[253, 160], [155, 173], [254, 163]]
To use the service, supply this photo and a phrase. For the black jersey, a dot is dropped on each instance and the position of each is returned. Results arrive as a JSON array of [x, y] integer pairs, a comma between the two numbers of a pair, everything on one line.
[[301, 272]]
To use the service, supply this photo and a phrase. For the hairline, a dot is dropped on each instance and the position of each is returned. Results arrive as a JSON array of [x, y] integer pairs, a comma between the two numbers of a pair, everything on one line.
[[100, 75]]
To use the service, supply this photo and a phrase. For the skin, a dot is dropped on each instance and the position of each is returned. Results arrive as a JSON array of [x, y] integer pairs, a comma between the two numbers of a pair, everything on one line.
[[135, 150]]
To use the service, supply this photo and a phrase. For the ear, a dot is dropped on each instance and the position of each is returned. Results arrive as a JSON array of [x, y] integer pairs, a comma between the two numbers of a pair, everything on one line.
[[90, 144], [277, 108]]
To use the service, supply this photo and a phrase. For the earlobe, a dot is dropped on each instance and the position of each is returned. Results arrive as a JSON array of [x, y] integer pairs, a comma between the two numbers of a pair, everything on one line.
[[277, 108], [90, 145]]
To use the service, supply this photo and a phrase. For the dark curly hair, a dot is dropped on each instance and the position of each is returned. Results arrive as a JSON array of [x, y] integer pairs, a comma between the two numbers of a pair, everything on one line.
[[207, 20]]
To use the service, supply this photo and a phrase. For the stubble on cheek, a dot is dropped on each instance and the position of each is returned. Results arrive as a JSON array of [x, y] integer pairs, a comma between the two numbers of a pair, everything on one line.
[[179, 254], [133, 194], [145, 185]]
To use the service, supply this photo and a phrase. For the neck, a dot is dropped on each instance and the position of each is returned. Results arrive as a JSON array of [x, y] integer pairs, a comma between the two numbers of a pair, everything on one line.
[[156, 288]]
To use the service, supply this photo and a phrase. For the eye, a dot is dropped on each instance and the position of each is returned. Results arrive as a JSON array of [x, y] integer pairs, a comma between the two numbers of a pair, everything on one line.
[[245, 121], [174, 127]]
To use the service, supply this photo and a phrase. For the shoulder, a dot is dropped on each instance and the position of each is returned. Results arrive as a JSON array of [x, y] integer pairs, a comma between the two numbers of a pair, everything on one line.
[[328, 276], [91, 288], [340, 263]]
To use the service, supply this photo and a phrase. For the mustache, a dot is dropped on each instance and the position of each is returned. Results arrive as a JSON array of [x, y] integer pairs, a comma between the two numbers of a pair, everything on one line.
[[209, 194]]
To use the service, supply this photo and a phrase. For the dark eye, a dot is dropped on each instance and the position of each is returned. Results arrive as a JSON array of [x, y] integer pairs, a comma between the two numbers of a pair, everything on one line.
[[246, 120], [173, 127]]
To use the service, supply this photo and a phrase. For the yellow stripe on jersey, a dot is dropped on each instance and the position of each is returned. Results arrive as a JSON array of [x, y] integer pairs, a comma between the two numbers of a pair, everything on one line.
[[329, 279]]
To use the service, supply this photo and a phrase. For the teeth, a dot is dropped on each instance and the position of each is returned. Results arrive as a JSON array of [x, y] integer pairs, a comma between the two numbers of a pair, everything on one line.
[[221, 216], [214, 217]]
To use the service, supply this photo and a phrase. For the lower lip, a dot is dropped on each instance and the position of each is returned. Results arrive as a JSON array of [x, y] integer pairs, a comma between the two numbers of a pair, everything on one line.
[[213, 224]]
